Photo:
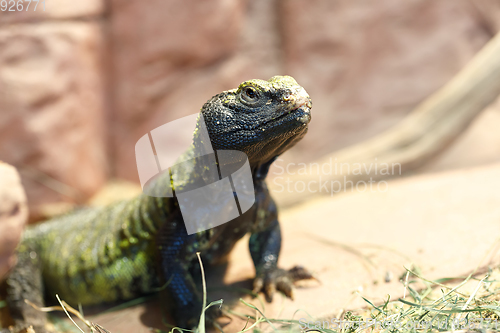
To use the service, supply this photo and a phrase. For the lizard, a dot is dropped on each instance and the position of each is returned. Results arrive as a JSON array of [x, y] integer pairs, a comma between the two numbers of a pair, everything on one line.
[[133, 247]]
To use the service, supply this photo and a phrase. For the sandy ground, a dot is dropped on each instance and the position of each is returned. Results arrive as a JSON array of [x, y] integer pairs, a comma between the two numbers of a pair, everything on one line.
[[446, 224], [443, 220]]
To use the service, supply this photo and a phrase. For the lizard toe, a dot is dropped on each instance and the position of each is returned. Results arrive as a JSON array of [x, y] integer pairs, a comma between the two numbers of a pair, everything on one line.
[[299, 273], [280, 280]]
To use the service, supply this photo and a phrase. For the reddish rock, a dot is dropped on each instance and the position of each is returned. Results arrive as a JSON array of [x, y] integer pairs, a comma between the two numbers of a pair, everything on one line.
[[154, 55], [183, 54], [24, 11], [367, 64], [490, 11], [53, 109], [13, 215]]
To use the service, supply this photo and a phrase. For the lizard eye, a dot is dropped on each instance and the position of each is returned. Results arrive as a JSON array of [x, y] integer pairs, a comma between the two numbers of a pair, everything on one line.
[[249, 95]]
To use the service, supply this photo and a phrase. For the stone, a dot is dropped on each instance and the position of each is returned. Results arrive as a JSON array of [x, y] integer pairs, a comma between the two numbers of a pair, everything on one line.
[[174, 37], [172, 74], [490, 11], [13, 215], [367, 64], [52, 96]]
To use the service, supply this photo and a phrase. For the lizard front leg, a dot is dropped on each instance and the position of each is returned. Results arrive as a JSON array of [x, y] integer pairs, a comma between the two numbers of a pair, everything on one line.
[[265, 247], [25, 283], [179, 268]]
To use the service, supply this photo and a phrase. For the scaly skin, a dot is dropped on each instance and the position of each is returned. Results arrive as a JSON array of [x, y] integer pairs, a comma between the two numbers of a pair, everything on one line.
[[133, 247]]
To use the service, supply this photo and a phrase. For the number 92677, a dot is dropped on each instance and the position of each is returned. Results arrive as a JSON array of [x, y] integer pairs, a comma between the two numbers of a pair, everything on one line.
[[21, 5]]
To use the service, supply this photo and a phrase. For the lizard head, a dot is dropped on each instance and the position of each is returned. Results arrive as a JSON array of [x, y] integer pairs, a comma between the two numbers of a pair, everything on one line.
[[260, 118]]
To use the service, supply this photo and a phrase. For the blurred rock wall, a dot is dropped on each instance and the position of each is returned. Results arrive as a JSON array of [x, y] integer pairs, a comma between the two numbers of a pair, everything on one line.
[[53, 94], [82, 81]]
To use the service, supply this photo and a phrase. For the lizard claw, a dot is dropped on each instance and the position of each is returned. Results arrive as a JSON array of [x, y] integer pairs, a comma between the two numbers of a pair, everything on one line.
[[281, 280], [299, 273]]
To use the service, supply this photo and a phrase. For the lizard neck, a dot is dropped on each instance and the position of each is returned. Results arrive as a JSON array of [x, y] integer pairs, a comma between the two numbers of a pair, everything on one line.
[[260, 170]]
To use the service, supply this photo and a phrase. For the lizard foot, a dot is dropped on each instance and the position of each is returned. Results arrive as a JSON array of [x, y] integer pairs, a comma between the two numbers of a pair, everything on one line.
[[279, 279]]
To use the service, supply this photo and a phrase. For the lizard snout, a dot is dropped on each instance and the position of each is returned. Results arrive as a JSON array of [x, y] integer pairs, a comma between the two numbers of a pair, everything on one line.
[[298, 99]]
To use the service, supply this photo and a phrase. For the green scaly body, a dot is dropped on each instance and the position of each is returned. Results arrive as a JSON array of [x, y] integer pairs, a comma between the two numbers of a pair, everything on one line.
[[130, 248]]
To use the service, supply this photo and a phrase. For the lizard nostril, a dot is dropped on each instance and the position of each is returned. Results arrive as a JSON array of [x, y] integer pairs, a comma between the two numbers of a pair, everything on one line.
[[288, 98], [309, 103]]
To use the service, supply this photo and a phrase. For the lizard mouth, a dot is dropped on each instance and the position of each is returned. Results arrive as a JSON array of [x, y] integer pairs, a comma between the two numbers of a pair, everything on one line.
[[295, 118], [305, 115], [303, 107], [296, 111], [300, 111], [300, 107]]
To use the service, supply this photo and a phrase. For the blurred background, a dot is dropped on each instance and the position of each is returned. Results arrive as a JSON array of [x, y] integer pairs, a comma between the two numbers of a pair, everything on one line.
[[82, 81]]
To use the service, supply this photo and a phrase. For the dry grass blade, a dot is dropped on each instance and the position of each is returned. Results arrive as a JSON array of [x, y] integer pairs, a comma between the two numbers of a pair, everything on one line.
[[66, 308]]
